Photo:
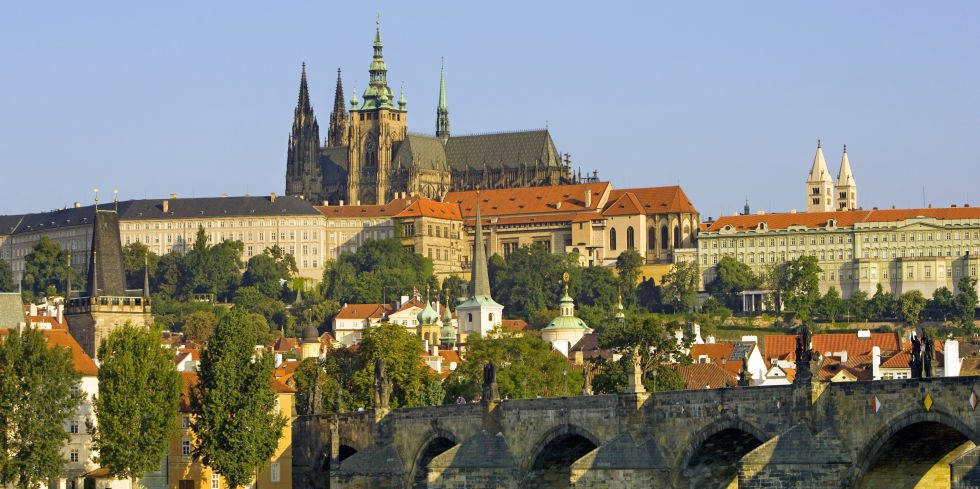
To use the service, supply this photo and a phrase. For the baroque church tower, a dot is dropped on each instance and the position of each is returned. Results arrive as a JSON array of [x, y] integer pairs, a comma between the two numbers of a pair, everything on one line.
[[819, 185], [303, 175], [374, 128]]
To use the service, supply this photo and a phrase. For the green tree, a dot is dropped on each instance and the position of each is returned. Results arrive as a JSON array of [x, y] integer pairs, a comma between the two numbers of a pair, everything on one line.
[[800, 286], [856, 306], [831, 305], [652, 336], [401, 351], [138, 402], [6, 277], [137, 258], [679, 289], [269, 270], [237, 424], [628, 265], [911, 305], [37, 395], [942, 305], [882, 305], [966, 302], [199, 326], [311, 378], [166, 277], [209, 269], [454, 287], [46, 268], [526, 367], [529, 279], [250, 300], [731, 278], [595, 286], [379, 270]]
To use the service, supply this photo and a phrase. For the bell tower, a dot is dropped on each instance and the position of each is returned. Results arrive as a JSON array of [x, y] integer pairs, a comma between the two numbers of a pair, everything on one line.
[[819, 185], [374, 127]]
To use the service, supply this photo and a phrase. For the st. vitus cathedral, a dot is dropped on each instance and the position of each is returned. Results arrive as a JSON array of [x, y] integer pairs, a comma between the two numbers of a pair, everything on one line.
[[369, 157]]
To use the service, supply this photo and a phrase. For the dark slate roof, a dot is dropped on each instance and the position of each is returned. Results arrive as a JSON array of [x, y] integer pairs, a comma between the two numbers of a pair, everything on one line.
[[203, 207], [334, 158], [502, 149], [422, 152], [59, 218], [11, 310], [8, 224], [108, 265]]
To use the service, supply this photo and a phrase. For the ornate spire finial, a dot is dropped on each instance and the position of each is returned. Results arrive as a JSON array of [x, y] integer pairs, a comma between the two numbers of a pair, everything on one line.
[[845, 149], [442, 110], [818, 143]]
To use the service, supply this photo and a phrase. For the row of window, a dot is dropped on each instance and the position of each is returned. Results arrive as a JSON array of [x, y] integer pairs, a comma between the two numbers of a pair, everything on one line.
[[216, 224], [651, 237]]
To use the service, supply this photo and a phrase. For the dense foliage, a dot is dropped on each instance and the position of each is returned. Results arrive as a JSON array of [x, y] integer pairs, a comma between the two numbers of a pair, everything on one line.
[[6, 277], [47, 269], [236, 423], [652, 337], [138, 402], [379, 271], [37, 395]]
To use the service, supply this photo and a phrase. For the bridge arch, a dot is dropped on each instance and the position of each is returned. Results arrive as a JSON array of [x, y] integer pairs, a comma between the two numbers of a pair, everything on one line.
[[436, 442], [548, 464], [713, 453], [911, 446]]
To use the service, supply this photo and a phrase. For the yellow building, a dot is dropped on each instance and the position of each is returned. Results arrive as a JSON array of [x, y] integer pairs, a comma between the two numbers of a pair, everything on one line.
[[901, 249], [184, 472]]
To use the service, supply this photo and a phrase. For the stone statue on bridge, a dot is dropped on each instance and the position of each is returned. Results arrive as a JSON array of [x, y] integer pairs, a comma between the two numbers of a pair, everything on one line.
[[490, 391], [804, 356], [928, 347], [382, 386], [916, 362], [587, 379]]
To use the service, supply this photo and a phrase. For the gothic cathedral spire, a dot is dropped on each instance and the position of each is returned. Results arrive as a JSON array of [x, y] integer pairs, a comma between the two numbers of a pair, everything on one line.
[[337, 136], [442, 111], [302, 168]]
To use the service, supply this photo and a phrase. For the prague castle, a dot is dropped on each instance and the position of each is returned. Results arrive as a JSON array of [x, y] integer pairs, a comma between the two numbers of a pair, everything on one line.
[[370, 158]]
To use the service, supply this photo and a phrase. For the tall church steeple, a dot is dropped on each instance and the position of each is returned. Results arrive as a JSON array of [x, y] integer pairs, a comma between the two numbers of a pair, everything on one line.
[[819, 185], [442, 111], [302, 168], [846, 187], [480, 313], [378, 94], [337, 136]]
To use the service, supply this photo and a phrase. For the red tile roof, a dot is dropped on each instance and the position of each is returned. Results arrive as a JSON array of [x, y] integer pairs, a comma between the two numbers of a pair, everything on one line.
[[652, 200], [784, 346], [513, 325], [363, 311], [706, 376], [898, 360], [843, 218], [530, 200], [449, 356], [423, 207], [80, 360]]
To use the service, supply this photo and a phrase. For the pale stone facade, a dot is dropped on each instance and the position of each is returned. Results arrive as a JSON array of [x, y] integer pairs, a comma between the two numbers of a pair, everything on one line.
[[902, 249]]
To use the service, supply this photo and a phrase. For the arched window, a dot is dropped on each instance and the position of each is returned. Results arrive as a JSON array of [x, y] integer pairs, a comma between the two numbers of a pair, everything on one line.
[[490, 318], [630, 241], [612, 239], [664, 237], [469, 317], [677, 236], [651, 238]]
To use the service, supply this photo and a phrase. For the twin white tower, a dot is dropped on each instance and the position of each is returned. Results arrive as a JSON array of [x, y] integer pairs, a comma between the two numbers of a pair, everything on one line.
[[822, 193]]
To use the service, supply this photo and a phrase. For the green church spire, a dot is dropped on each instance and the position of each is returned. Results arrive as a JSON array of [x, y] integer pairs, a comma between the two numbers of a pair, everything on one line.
[[442, 111], [378, 94]]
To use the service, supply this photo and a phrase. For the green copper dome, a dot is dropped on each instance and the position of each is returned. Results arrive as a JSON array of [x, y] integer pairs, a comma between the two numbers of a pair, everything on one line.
[[428, 315], [447, 334], [566, 322]]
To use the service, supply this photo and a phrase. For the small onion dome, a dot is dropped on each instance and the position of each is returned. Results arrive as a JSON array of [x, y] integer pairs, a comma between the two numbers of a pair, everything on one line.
[[310, 334], [428, 315], [447, 334], [353, 99]]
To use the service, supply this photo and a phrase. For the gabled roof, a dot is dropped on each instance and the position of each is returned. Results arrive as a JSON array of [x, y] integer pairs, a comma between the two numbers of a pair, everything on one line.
[[625, 205], [843, 219], [80, 360], [363, 311], [420, 151], [425, 207], [502, 149], [513, 325], [551, 199], [653, 200]]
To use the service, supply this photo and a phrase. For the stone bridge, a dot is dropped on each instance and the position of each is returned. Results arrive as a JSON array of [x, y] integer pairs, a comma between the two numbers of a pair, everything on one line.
[[894, 434]]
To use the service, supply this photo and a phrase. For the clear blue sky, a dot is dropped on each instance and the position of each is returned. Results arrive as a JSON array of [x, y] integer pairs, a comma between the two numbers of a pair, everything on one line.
[[726, 98]]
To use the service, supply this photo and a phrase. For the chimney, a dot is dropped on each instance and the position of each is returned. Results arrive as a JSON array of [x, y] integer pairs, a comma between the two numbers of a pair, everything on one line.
[[326, 203], [33, 309], [166, 206], [341, 202], [558, 205], [78, 204], [61, 312], [173, 196], [951, 358], [357, 203], [876, 363], [403, 301], [588, 198], [278, 360], [272, 197], [435, 350]]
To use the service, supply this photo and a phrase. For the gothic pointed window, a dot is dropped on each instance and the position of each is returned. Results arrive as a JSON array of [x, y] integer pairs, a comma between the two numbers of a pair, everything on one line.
[[651, 238], [630, 241], [612, 239], [677, 237], [664, 237]]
